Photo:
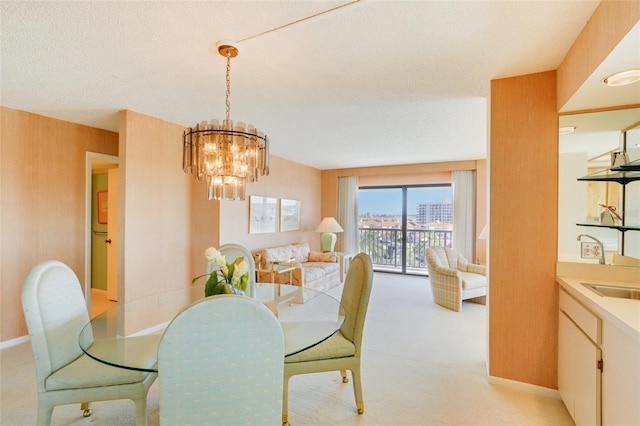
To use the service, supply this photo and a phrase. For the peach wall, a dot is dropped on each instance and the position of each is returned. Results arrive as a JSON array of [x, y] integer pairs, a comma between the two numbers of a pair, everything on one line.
[[160, 212], [287, 180], [523, 173], [42, 199]]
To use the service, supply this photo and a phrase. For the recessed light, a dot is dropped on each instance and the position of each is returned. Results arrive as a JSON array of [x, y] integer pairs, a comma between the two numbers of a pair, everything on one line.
[[622, 78], [566, 130]]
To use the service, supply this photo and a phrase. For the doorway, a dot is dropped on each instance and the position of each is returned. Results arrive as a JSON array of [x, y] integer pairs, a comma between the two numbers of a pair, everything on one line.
[[101, 261]]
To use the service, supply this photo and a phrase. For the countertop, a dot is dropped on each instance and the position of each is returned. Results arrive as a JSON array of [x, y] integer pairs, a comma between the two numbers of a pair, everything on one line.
[[623, 313]]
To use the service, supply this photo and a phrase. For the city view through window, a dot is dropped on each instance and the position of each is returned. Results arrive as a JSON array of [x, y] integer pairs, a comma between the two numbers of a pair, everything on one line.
[[396, 225]]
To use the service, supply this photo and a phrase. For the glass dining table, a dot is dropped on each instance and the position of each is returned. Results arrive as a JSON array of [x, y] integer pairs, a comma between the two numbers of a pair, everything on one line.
[[128, 335]]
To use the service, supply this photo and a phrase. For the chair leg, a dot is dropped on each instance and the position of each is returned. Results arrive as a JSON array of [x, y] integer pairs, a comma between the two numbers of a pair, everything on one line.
[[357, 389], [141, 411], [45, 411], [285, 403], [343, 373], [86, 411]]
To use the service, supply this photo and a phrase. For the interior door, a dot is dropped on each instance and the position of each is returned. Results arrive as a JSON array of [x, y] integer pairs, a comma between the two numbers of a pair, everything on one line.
[[112, 236]]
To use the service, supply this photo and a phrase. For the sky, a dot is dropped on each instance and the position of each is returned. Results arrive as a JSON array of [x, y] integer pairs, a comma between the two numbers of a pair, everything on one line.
[[389, 201]]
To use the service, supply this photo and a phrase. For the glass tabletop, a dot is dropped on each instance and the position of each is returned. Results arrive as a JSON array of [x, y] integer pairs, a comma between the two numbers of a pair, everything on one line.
[[128, 335]]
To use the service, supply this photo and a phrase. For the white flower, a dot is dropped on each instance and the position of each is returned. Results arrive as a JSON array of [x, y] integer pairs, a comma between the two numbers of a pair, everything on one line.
[[240, 269], [214, 256]]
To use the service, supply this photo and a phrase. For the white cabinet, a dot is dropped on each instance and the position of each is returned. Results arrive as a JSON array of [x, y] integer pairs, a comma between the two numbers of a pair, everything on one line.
[[579, 361], [620, 376]]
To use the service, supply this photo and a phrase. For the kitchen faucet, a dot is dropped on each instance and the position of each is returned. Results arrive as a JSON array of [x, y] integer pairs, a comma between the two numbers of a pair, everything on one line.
[[599, 243]]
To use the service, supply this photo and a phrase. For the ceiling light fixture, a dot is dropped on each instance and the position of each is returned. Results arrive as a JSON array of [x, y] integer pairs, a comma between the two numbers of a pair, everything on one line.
[[226, 156], [622, 78], [566, 130]]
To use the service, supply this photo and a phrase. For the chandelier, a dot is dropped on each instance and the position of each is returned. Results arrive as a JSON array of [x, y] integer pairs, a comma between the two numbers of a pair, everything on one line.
[[227, 156]]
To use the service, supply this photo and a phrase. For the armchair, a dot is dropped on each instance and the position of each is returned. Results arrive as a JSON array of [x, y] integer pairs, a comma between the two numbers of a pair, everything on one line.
[[453, 279]]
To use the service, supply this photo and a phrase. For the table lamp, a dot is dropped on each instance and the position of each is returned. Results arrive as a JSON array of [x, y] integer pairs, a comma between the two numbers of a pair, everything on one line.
[[328, 227]]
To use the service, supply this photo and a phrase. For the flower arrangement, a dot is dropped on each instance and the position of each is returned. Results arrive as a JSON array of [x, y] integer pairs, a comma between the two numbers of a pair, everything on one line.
[[226, 278]]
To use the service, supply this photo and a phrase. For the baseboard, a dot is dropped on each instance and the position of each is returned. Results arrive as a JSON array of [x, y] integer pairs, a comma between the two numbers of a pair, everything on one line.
[[13, 342], [525, 387]]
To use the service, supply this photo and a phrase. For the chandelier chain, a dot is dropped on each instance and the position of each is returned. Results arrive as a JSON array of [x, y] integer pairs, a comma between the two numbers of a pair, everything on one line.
[[228, 103]]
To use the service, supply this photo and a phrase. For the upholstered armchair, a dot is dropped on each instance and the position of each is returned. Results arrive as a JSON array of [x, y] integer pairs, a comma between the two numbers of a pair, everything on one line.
[[454, 279]]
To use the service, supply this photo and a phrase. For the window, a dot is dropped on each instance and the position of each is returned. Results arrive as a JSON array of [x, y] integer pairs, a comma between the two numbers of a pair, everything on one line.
[[396, 224]]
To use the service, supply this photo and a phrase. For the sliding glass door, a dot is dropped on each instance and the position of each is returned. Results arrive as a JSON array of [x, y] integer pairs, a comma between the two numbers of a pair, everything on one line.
[[396, 224]]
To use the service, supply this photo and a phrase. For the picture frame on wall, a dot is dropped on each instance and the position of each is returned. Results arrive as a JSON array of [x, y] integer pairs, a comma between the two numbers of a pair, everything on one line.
[[262, 214], [289, 215], [103, 206]]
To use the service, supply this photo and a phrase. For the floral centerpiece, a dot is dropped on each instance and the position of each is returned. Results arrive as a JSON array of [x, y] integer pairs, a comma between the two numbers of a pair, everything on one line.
[[224, 278]]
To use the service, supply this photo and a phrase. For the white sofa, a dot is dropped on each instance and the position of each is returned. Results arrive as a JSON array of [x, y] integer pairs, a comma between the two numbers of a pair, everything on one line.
[[313, 270]]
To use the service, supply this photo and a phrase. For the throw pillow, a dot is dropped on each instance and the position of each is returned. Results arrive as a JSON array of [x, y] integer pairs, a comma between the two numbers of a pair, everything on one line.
[[330, 257]]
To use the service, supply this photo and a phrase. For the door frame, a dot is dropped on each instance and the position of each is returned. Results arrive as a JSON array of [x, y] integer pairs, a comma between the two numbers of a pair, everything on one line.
[[90, 158]]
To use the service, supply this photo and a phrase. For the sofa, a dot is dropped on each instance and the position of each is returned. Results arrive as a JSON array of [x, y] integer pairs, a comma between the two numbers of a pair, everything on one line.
[[313, 270]]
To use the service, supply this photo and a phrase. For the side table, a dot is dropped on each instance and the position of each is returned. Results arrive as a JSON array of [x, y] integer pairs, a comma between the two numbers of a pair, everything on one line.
[[344, 258], [278, 268]]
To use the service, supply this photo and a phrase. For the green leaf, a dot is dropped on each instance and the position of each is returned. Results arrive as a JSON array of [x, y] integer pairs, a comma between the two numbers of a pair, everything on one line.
[[231, 267], [211, 284], [244, 281]]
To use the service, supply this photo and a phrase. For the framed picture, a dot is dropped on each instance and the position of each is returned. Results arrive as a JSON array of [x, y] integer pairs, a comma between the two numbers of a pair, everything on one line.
[[103, 206], [262, 214], [289, 215]]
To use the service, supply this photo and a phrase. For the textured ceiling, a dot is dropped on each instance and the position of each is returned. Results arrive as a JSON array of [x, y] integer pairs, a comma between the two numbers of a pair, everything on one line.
[[334, 84]]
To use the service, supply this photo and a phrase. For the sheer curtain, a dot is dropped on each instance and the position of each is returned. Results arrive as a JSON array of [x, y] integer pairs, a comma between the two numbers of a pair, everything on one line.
[[348, 213], [464, 212]]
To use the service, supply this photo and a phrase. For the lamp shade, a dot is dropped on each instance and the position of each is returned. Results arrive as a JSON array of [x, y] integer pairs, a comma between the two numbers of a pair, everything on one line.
[[328, 227], [329, 224]]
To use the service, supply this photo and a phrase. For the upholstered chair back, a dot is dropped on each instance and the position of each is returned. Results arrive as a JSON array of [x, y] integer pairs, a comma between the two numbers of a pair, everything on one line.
[[355, 298], [221, 361], [55, 312], [448, 258]]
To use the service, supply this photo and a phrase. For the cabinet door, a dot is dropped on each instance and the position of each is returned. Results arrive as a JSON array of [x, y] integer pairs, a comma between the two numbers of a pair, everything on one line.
[[579, 378]]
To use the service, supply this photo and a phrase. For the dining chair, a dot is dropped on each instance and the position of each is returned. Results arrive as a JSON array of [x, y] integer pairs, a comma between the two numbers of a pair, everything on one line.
[[55, 311], [453, 279], [342, 350], [231, 252], [220, 361]]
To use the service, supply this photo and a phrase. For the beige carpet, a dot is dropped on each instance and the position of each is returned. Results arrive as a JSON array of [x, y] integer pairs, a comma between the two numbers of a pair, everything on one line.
[[422, 365]]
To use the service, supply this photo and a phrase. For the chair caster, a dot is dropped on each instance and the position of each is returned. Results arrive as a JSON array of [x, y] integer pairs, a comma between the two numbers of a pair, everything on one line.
[[286, 424], [360, 407], [87, 412], [360, 410], [345, 379]]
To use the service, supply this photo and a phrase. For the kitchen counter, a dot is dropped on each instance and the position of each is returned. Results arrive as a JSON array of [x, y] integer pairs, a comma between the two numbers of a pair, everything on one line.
[[623, 313]]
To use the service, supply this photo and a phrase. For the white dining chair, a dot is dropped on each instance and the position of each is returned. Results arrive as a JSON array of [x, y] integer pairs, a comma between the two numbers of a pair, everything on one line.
[[231, 252], [55, 311], [220, 362]]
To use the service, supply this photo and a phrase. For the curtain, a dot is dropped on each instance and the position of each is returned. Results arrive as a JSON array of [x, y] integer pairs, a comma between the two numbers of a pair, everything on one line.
[[464, 212], [348, 213]]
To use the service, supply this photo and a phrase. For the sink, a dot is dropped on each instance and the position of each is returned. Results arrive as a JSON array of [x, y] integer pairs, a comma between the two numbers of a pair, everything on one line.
[[614, 291]]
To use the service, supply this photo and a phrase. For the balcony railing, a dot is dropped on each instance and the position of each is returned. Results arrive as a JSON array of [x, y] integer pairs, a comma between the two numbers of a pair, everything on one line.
[[384, 246]]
